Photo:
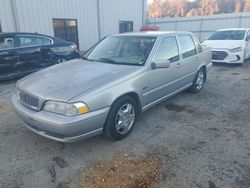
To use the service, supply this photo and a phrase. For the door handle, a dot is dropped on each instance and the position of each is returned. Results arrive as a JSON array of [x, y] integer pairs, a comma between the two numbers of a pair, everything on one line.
[[178, 65]]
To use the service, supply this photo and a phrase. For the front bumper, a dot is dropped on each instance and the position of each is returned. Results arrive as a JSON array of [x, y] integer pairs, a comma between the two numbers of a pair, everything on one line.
[[237, 57], [61, 128]]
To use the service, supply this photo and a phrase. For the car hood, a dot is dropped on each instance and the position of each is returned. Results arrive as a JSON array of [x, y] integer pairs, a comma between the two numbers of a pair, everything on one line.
[[223, 44], [67, 80]]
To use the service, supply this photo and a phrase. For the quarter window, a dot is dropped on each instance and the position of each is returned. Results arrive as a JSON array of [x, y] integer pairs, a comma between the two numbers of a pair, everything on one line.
[[6, 42], [187, 45], [46, 41], [168, 50]]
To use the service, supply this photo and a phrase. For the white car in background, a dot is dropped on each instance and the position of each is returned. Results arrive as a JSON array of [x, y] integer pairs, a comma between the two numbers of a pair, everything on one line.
[[230, 45]]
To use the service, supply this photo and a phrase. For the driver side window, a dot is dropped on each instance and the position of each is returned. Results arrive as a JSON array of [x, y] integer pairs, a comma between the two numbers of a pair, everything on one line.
[[168, 50]]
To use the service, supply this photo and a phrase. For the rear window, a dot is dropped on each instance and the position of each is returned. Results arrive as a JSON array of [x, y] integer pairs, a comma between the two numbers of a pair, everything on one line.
[[6, 42], [228, 35]]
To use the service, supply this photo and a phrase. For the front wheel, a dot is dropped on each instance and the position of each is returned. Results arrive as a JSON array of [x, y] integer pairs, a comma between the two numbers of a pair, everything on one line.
[[121, 119], [199, 81]]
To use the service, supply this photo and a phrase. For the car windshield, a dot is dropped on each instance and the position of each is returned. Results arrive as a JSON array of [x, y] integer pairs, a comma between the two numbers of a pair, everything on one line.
[[228, 35], [130, 50]]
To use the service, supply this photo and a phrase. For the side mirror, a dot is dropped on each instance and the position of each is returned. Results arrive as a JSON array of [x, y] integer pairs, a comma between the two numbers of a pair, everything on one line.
[[160, 64], [248, 38]]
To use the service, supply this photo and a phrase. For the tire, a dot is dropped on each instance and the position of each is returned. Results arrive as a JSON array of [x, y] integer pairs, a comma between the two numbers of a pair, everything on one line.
[[60, 60], [121, 118], [199, 81]]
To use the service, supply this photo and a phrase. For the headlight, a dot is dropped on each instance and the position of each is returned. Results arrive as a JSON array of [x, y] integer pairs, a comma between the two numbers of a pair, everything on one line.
[[66, 109], [239, 49]]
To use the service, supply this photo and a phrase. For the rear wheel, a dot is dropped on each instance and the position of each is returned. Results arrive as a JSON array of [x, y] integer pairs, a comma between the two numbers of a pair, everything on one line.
[[199, 81], [60, 60], [121, 119]]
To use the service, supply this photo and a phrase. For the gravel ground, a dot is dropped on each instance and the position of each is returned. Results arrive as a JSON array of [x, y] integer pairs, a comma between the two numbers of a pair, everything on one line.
[[203, 140]]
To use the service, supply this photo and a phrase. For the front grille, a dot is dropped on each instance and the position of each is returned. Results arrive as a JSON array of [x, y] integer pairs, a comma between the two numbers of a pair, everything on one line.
[[28, 100], [219, 55]]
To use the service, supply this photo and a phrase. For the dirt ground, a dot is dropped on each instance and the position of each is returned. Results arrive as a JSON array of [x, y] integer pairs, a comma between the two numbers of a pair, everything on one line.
[[191, 141]]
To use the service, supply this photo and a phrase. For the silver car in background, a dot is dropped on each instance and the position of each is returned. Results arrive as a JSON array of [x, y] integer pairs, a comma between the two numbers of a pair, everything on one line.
[[114, 82]]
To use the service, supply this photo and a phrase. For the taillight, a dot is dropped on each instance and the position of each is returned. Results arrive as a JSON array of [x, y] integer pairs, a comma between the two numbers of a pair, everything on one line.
[[74, 47]]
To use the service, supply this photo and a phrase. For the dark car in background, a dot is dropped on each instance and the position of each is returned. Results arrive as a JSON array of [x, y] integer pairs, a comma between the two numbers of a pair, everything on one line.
[[24, 53]]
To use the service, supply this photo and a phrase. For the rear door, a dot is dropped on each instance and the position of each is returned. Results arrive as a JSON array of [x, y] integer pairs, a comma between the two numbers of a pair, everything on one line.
[[8, 57], [189, 59], [34, 52]]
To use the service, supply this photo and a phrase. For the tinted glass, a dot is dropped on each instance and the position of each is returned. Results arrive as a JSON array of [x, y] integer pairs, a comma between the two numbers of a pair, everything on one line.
[[168, 50], [46, 41], [30, 41], [125, 26], [131, 50], [187, 46], [6, 42], [228, 35], [66, 30]]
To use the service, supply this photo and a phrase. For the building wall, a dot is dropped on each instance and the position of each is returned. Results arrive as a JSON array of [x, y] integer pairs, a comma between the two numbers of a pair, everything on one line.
[[113, 11], [6, 16], [37, 15], [203, 26]]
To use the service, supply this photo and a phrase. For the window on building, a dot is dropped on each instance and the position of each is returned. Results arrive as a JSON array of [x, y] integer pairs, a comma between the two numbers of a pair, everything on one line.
[[66, 29], [168, 50], [126, 26], [187, 45]]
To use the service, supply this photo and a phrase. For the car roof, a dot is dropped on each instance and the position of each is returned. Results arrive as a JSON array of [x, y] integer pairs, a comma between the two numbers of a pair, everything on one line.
[[24, 33], [151, 33], [230, 29]]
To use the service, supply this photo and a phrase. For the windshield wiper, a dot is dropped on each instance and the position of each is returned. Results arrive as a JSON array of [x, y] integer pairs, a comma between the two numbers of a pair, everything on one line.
[[106, 60], [85, 58]]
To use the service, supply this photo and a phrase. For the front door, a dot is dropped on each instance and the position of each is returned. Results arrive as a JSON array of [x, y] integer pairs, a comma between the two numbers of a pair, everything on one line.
[[163, 80], [8, 57], [190, 58]]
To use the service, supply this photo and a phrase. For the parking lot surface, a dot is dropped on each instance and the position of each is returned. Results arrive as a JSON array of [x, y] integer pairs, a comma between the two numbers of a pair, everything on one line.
[[203, 140]]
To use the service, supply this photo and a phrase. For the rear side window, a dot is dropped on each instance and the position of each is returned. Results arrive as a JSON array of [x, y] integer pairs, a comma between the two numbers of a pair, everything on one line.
[[187, 46], [6, 42], [33, 41], [168, 50]]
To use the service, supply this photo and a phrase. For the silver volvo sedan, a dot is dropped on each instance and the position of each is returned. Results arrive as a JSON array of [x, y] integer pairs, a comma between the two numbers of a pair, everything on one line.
[[114, 82]]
